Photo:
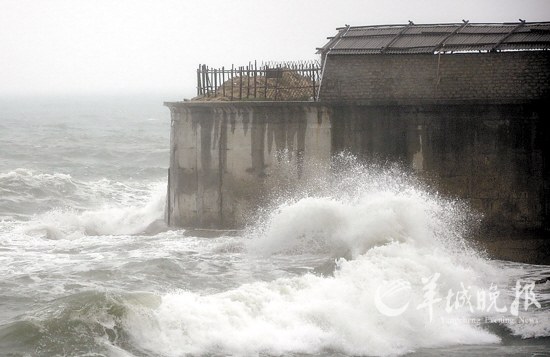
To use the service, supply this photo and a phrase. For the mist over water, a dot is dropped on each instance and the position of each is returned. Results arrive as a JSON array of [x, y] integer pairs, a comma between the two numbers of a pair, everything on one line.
[[340, 265]]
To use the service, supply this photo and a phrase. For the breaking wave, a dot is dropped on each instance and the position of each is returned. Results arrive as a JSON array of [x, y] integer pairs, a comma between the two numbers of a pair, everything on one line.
[[68, 207], [389, 239], [391, 251]]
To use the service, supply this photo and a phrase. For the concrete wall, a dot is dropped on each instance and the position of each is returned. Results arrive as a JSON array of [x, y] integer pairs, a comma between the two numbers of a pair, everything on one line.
[[496, 157], [227, 158], [430, 78], [224, 156]]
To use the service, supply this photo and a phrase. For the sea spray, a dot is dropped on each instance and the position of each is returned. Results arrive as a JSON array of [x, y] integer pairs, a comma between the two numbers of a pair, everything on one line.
[[58, 206], [354, 206], [381, 226]]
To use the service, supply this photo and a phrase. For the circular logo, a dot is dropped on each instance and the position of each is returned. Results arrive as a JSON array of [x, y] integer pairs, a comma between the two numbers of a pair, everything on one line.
[[391, 298]]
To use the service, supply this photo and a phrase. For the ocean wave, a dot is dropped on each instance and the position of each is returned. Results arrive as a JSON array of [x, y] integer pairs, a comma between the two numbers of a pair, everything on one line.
[[310, 314], [397, 246], [59, 206], [360, 207], [389, 237], [82, 324], [398, 258], [114, 219], [25, 192]]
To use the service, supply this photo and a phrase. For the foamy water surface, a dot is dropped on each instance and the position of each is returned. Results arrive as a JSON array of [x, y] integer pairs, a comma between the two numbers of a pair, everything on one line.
[[368, 261]]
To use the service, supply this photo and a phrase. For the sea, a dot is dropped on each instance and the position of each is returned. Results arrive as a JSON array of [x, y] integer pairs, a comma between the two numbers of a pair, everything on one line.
[[365, 260]]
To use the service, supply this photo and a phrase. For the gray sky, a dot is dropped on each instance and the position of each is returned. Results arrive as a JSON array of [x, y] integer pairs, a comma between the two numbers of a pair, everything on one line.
[[123, 46]]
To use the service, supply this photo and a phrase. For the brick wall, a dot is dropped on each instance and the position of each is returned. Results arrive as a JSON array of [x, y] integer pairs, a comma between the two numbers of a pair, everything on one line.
[[506, 76]]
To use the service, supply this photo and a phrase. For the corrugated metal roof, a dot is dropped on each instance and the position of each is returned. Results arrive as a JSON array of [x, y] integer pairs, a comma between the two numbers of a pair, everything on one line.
[[435, 38]]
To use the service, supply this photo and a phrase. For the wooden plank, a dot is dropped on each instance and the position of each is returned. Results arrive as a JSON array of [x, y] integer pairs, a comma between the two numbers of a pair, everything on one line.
[[248, 81], [199, 88], [265, 79], [232, 69], [215, 81], [501, 41], [255, 77], [204, 83], [396, 37], [240, 83], [276, 94], [223, 81], [313, 83]]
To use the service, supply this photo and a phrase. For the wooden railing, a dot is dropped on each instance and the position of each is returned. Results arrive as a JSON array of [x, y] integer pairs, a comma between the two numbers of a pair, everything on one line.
[[269, 81]]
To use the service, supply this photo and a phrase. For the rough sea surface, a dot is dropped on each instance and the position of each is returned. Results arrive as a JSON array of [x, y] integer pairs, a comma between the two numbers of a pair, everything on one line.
[[365, 262]]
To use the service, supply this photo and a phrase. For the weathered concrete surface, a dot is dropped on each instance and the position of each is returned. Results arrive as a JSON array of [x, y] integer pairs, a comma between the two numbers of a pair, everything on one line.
[[523, 249], [223, 155], [494, 156]]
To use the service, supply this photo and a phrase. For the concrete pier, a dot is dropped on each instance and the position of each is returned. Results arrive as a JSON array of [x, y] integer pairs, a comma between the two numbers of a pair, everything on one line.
[[227, 158], [223, 156]]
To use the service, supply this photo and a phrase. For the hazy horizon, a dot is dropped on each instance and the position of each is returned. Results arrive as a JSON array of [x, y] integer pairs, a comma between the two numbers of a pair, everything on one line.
[[63, 47]]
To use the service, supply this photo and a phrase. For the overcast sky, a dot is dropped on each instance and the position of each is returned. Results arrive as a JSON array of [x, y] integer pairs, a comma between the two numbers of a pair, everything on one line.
[[126, 46]]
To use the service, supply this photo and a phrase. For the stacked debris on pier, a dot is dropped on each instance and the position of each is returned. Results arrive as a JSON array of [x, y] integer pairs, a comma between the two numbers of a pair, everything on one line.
[[273, 81]]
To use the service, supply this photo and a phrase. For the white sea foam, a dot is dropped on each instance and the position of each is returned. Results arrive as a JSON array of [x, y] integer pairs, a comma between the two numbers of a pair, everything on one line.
[[386, 233], [311, 313], [328, 223], [27, 192], [394, 232], [130, 213]]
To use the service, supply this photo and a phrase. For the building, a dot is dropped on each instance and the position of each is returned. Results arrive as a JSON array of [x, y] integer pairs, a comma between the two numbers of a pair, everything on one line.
[[464, 105], [437, 63]]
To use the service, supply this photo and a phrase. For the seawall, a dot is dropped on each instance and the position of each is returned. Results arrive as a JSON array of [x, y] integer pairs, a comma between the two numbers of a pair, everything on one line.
[[226, 158]]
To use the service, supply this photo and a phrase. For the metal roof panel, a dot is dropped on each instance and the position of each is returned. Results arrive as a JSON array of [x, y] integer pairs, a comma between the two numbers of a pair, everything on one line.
[[426, 38]]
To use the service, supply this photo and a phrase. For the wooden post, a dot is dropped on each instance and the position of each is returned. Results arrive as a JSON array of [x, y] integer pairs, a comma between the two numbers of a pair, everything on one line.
[[209, 78], [210, 81], [248, 81], [215, 81], [232, 69], [241, 83], [265, 84], [313, 83], [223, 81], [255, 77], [199, 91], [276, 90], [204, 83]]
